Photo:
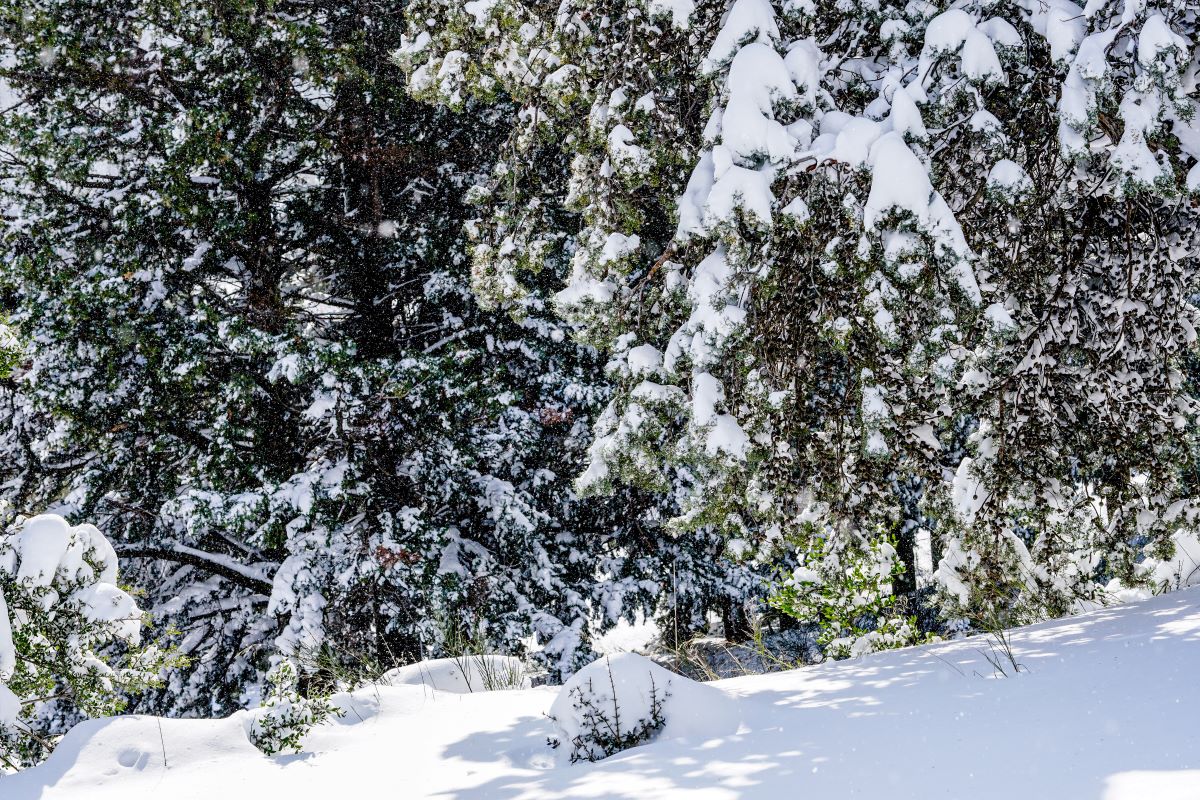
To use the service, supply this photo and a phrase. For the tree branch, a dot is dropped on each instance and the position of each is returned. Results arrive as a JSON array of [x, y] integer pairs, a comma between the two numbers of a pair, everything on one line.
[[223, 566]]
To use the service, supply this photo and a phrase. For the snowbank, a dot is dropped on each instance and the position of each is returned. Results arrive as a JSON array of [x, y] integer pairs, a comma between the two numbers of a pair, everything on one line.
[[462, 675], [626, 693], [1101, 711]]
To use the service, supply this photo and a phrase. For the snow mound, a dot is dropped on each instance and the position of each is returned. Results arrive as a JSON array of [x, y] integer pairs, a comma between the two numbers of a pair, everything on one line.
[[117, 748], [462, 675], [626, 697]]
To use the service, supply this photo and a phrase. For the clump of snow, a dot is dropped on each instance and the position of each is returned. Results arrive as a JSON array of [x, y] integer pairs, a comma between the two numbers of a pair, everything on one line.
[[618, 246], [1182, 569], [798, 210], [1008, 177], [967, 491], [999, 318], [627, 156], [680, 11], [46, 545], [462, 675], [46, 555], [644, 359], [955, 559], [746, 21], [626, 692]]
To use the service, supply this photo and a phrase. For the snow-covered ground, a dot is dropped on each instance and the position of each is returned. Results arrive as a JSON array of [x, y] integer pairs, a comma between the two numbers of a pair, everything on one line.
[[1105, 708]]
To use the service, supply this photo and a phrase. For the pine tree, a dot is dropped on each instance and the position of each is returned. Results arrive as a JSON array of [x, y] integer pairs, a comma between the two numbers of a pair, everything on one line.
[[608, 123], [234, 249], [870, 275]]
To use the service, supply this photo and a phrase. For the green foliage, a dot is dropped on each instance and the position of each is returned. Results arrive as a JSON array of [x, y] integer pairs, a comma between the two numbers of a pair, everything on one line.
[[10, 351], [287, 715], [601, 733], [849, 594]]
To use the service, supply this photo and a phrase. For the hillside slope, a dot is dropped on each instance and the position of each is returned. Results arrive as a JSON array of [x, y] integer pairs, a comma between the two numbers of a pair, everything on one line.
[[1103, 709]]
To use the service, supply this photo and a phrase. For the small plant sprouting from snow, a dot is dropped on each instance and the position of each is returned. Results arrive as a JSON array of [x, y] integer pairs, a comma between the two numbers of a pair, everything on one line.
[[287, 715], [1000, 654], [480, 669], [494, 674], [601, 731]]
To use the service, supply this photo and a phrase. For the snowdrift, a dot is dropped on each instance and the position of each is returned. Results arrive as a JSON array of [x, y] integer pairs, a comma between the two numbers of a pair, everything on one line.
[[1103, 709], [461, 675]]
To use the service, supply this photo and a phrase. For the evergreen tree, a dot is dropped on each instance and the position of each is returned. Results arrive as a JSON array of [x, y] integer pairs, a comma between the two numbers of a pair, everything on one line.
[[235, 249], [609, 117], [886, 283]]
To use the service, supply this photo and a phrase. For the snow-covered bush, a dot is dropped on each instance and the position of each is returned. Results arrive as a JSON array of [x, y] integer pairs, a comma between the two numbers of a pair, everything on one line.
[[62, 616], [624, 700], [287, 715], [849, 594]]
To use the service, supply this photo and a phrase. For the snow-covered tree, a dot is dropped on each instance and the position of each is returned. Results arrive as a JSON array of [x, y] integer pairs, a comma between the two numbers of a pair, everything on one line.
[[885, 283], [61, 611], [608, 121], [234, 251]]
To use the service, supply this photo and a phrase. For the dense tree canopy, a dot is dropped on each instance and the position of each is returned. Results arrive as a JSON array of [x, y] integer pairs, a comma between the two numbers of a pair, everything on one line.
[[369, 331], [893, 284], [234, 254]]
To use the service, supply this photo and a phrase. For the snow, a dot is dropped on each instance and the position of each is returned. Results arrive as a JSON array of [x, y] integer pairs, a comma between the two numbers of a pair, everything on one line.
[[1062, 23], [1157, 39], [900, 181], [967, 492], [979, 60], [999, 317], [1100, 711], [618, 246], [947, 31], [624, 686], [8, 653], [680, 11], [10, 706], [461, 675], [905, 117], [1001, 32], [727, 436], [627, 156], [1008, 176], [627, 637], [747, 20], [104, 602], [42, 561], [46, 548], [480, 11], [645, 359], [691, 202], [758, 78], [38, 550], [739, 188], [797, 209]]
